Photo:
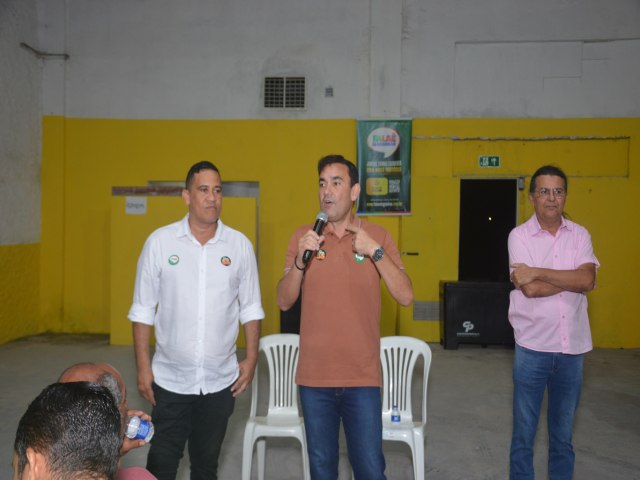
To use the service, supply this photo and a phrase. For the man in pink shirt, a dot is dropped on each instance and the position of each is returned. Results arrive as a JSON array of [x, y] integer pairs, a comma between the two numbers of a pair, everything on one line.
[[552, 267]]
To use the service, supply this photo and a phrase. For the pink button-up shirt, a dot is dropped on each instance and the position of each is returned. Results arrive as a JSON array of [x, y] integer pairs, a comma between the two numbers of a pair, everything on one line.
[[558, 323]]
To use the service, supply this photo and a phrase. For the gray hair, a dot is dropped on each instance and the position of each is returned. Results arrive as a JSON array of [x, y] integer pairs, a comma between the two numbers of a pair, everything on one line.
[[109, 381]]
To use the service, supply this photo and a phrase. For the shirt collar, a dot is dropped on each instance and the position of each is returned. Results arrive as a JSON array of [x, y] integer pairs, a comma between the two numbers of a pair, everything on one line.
[[535, 228], [355, 220], [185, 231]]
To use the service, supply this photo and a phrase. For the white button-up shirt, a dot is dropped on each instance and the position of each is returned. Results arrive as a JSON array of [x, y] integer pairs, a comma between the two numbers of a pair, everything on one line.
[[194, 295]]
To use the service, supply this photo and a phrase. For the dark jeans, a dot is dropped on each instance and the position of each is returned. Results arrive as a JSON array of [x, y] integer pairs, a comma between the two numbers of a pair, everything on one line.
[[200, 419], [360, 410]]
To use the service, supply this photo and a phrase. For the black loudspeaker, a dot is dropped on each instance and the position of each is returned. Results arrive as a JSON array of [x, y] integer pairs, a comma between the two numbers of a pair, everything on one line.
[[475, 312], [290, 319]]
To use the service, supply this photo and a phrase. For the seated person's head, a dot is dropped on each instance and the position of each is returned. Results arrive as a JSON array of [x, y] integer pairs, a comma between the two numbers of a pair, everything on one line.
[[102, 374], [71, 431]]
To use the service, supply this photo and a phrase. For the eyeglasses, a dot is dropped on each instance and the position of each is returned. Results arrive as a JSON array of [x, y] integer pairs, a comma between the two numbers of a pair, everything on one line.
[[546, 192]]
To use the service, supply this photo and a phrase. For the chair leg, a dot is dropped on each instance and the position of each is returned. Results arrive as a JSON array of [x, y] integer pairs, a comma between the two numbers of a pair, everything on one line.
[[417, 451], [305, 461], [262, 444], [247, 454]]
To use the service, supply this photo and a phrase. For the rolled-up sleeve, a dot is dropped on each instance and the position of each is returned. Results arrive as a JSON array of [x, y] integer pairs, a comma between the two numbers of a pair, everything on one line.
[[249, 291], [585, 249], [147, 285]]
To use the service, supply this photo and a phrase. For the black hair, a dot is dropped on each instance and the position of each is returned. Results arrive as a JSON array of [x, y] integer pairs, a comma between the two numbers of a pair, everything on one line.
[[331, 159], [197, 168], [76, 427], [548, 170]]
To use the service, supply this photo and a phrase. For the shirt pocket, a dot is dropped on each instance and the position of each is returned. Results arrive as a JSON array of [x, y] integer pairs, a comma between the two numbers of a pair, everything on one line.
[[566, 258]]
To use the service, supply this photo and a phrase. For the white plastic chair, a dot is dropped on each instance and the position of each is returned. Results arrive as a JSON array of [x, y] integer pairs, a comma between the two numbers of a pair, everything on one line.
[[282, 419], [398, 356]]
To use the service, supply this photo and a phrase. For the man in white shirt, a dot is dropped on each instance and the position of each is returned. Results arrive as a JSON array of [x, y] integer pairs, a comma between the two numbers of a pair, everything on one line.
[[196, 279]]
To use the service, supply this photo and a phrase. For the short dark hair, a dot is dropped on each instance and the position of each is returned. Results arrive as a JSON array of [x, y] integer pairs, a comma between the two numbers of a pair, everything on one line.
[[331, 159], [76, 426], [197, 168], [548, 170]]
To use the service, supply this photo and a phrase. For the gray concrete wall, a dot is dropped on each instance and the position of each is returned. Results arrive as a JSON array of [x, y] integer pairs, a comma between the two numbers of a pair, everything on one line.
[[20, 124], [437, 58]]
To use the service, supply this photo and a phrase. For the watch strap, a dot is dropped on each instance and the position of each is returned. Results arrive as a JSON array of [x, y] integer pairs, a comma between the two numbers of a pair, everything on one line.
[[378, 253]]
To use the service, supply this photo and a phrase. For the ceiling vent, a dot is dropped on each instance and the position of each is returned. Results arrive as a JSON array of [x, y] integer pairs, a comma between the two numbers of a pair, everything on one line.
[[284, 92]]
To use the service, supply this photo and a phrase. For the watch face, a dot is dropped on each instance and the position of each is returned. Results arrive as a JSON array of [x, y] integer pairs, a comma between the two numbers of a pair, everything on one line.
[[378, 254]]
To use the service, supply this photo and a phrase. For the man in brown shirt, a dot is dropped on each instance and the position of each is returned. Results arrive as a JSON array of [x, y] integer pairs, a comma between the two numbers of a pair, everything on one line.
[[339, 366]]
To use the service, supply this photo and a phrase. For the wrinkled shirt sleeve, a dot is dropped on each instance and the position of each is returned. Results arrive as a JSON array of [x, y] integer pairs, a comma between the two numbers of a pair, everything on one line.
[[249, 291], [147, 285]]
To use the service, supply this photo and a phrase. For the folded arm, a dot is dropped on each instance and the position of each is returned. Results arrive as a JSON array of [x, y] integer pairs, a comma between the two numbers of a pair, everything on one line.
[[543, 282]]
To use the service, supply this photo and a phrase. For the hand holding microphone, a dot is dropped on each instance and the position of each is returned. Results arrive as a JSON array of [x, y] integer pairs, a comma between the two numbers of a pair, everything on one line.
[[321, 221]]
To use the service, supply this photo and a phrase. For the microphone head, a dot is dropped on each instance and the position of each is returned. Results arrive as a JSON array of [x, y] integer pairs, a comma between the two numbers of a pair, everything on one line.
[[323, 217]]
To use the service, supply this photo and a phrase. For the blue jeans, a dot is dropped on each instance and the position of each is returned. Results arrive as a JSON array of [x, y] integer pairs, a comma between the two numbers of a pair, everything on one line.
[[200, 419], [360, 409], [561, 375]]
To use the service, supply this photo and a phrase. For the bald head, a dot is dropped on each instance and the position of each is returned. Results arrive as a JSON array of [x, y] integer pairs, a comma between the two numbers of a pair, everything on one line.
[[102, 374]]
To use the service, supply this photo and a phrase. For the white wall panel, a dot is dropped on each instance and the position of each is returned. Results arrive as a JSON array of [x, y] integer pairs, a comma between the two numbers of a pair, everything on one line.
[[546, 79], [434, 86]]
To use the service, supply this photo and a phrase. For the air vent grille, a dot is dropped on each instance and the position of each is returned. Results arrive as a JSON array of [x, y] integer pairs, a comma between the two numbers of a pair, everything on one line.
[[284, 92]]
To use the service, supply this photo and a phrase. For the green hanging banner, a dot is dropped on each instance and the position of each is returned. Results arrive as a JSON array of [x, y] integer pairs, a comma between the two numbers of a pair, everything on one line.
[[384, 163]]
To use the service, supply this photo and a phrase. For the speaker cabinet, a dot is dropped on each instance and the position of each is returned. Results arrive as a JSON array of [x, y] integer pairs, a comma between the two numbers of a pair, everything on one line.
[[475, 312]]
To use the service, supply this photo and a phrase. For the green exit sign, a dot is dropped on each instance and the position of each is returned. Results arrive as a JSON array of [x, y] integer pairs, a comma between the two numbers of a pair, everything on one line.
[[489, 161]]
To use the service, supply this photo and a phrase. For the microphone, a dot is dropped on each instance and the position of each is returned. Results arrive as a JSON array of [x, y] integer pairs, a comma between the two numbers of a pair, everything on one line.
[[321, 221]]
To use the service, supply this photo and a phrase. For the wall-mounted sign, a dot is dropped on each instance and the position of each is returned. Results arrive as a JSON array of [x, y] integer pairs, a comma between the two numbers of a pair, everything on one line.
[[384, 164], [489, 161], [136, 206]]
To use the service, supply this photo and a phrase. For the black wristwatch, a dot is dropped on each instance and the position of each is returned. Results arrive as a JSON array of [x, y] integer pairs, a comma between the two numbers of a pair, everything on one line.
[[378, 253]]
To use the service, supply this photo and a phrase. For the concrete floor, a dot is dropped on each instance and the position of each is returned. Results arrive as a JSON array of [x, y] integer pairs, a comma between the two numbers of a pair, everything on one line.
[[469, 424]]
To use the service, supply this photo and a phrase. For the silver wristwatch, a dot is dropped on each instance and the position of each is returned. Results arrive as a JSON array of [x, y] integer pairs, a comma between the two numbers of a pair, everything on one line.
[[378, 253]]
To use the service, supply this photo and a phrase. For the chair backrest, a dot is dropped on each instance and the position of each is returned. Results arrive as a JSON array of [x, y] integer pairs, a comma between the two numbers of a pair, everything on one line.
[[281, 351], [398, 356]]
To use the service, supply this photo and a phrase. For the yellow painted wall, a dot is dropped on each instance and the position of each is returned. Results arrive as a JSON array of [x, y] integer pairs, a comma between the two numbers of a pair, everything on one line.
[[104, 153], [599, 156], [84, 158], [53, 237], [31, 292], [19, 291]]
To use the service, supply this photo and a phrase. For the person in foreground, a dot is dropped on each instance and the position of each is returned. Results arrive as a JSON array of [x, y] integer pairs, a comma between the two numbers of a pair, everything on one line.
[[552, 267], [69, 431], [107, 376], [339, 366], [197, 279]]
